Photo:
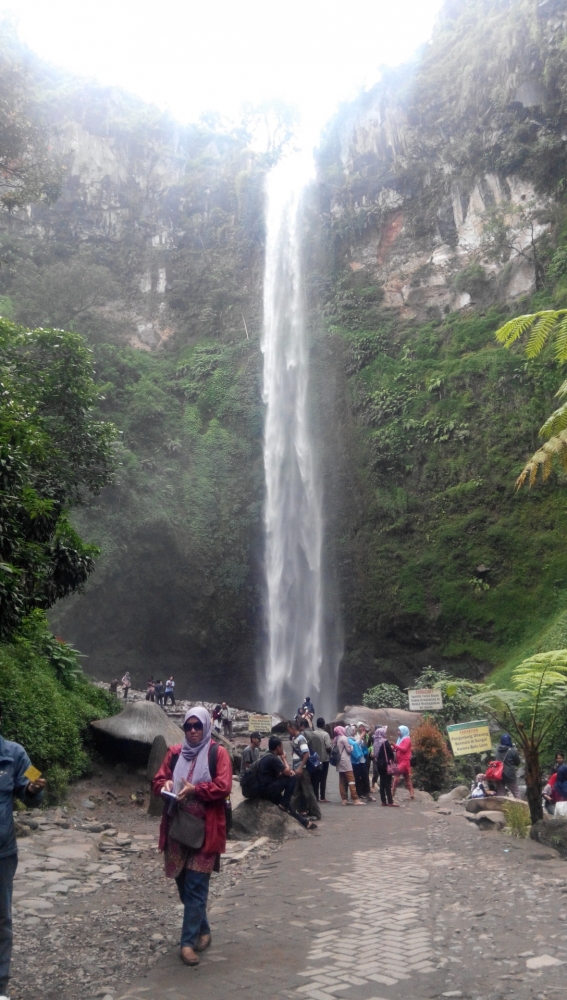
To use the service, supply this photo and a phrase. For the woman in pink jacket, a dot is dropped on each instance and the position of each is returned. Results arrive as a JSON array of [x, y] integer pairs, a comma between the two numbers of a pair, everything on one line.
[[402, 750]]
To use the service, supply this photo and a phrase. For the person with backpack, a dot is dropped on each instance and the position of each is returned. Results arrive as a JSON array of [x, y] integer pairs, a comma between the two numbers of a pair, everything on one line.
[[341, 759], [316, 749], [251, 753], [359, 767], [383, 756], [275, 781], [303, 786], [508, 756], [195, 781]]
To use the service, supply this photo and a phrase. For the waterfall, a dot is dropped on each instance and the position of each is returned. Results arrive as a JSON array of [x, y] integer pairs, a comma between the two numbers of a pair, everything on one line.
[[293, 509]]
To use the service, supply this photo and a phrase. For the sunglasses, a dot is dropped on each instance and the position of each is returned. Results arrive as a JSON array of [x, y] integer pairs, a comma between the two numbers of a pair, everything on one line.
[[190, 726]]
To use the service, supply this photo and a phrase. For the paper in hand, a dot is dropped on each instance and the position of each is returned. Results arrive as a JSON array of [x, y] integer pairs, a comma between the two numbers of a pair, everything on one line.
[[32, 773]]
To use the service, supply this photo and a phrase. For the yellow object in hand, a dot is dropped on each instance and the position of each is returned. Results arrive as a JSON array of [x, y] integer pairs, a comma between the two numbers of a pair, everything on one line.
[[32, 773]]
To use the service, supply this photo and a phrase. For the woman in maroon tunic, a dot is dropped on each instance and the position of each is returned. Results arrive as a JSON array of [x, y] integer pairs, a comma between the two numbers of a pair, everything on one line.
[[186, 772]]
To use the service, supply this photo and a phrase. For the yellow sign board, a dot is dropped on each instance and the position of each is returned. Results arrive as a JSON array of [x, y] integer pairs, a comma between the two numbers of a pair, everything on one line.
[[469, 737], [259, 723]]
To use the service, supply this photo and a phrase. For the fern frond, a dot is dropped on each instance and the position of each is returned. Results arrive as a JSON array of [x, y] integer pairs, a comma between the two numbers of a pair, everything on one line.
[[556, 422], [561, 341], [540, 332], [562, 391], [556, 447], [514, 328]]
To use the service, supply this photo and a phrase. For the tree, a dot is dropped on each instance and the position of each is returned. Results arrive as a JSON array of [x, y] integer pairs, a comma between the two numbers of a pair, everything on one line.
[[549, 324], [502, 236], [28, 170], [53, 456], [528, 712], [385, 696]]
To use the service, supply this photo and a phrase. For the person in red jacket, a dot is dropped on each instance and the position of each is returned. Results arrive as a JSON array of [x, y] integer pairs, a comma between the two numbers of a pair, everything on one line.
[[186, 773], [402, 750]]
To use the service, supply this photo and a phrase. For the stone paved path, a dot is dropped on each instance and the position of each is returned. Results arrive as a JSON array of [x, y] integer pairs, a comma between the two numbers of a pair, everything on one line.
[[384, 904]]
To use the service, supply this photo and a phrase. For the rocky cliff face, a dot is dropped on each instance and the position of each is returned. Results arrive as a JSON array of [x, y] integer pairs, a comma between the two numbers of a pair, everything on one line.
[[438, 208]]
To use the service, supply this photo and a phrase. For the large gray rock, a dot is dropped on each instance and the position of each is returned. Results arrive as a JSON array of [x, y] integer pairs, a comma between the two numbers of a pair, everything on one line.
[[492, 803], [455, 795], [129, 736], [259, 818], [489, 820], [372, 717], [551, 832]]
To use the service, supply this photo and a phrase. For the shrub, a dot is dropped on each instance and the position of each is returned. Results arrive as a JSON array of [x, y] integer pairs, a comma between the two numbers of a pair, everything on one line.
[[431, 756], [385, 696], [48, 716], [517, 819]]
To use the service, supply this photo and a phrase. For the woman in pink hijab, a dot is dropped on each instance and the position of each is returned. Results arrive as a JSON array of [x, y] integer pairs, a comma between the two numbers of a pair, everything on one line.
[[186, 772]]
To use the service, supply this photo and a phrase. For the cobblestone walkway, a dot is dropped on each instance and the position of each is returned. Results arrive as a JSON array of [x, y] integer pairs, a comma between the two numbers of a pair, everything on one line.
[[387, 904], [383, 904]]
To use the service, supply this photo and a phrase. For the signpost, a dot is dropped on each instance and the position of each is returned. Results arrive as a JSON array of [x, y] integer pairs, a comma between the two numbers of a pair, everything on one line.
[[425, 700], [469, 737], [259, 723]]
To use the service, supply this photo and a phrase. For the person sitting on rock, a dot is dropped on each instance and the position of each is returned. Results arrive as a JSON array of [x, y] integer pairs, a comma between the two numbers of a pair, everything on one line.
[[480, 788], [276, 780], [251, 752]]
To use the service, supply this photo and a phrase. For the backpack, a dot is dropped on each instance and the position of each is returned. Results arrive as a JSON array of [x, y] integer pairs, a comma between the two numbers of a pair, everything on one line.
[[249, 781], [335, 757], [495, 770], [213, 758], [313, 762]]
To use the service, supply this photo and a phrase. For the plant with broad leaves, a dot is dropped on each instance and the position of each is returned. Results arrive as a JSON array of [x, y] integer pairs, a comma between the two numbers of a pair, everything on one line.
[[529, 710]]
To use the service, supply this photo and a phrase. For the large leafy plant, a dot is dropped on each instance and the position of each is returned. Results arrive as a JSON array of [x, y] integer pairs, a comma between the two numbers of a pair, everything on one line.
[[549, 324], [528, 712]]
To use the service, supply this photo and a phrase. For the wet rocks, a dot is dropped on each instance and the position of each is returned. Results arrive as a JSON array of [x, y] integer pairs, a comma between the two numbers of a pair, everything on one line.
[[488, 820]]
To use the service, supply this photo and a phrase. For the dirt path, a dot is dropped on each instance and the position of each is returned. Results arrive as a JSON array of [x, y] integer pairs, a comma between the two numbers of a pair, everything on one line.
[[379, 904]]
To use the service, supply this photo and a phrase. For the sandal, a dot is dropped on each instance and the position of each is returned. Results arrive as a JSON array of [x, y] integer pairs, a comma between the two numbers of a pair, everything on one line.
[[310, 825], [189, 956]]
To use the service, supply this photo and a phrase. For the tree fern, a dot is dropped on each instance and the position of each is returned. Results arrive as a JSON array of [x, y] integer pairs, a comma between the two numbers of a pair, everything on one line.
[[556, 447], [543, 325]]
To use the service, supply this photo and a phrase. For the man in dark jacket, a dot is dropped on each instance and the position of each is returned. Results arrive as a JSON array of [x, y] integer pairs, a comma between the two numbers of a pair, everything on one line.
[[510, 757], [14, 762]]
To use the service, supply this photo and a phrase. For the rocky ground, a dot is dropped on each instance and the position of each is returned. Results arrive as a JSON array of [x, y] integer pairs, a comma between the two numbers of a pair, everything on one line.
[[92, 908]]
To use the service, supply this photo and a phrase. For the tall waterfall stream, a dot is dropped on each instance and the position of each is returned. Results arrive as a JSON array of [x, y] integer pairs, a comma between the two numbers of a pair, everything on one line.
[[293, 507]]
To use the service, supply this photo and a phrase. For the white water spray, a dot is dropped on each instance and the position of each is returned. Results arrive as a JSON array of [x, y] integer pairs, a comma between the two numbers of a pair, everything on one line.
[[293, 512]]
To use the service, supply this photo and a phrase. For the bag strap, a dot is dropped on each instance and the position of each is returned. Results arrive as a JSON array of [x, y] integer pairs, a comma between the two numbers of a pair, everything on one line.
[[213, 758]]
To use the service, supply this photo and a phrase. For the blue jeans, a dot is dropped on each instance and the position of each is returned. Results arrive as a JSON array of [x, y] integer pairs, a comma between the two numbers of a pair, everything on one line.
[[193, 892], [7, 871]]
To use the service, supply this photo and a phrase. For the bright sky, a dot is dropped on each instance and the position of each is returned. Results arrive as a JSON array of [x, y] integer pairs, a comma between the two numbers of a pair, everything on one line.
[[191, 56]]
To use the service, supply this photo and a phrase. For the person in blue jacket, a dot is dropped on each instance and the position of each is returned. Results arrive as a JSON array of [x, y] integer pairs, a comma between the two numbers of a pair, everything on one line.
[[14, 762], [359, 768]]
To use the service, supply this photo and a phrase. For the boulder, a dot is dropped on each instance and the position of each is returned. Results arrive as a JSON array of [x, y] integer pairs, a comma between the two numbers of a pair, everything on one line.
[[372, 717], [489, 820], [491, 803], [455, 795], [260, 818], [551, 832], [130, 735]]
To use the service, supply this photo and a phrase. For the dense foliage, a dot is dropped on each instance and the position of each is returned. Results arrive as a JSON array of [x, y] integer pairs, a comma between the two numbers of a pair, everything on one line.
[[53, 455]]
